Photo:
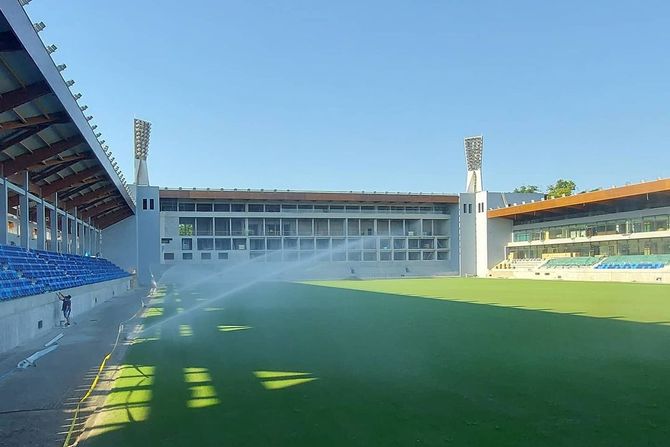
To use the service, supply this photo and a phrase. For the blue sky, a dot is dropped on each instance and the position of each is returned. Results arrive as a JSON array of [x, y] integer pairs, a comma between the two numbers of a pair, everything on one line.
[[374, 95]]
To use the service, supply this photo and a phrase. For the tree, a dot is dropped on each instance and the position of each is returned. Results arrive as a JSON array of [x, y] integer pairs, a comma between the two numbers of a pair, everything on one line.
[[561, 188], [527, 189]]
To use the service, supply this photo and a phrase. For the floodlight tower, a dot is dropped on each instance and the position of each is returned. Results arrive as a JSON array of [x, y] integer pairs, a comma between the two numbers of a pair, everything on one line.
[[142, 134], [473, 158], [147, 210]]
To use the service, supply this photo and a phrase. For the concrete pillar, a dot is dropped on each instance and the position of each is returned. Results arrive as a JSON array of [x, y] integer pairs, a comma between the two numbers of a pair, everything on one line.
[[84, 237], [3, 212], [89, 238], [54, 225], [41, 225], [65, 247], [25, 214], [75, 233], [96, 241]]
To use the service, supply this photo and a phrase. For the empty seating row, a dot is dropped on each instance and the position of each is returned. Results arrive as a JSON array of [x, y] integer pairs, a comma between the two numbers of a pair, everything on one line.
[[13, 288], [629, 262], [24, 272], [572, 262]]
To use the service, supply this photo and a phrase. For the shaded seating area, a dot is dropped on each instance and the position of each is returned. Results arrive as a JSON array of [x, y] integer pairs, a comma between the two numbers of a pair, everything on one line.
[[573, 262], [30, 272], [634, 262]]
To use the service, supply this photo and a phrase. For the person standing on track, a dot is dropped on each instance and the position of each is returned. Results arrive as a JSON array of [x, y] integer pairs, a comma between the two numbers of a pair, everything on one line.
[[67, 306]]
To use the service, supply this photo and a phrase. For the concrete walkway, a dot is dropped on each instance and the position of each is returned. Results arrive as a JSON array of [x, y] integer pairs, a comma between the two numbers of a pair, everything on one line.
[[36, 403]]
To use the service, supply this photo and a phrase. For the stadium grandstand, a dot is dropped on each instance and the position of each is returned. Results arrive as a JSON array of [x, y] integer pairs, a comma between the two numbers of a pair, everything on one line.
[[617, 233], [59, 187]]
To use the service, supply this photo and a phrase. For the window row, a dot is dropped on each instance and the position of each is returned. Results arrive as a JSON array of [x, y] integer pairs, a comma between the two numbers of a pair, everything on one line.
[[223, 226], [334, 256], [607, 227], [225, 244], [653, 246], [178, 205]]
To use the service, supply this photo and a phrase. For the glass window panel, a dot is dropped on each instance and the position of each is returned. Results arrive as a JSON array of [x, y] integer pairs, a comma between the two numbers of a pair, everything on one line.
[[321, 227], [168, 205], [337, 227], [255, 227], [204, 226], [237, 227], [306, 244], [305, 227], [221, 226], [274, 244], [222, 244], [187, 243], [272, 227], [289, 227], [256, 244], [370, 256], [205, 244]]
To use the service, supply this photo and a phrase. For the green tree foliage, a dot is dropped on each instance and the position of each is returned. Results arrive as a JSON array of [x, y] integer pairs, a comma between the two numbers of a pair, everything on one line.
[[561, 188], [527, 189], [185, 230]]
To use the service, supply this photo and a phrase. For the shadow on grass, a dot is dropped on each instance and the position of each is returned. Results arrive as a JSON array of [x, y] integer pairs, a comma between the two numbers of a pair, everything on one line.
[[363, 369]]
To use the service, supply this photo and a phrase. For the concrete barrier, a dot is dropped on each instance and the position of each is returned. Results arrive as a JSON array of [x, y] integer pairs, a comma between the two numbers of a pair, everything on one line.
[[22, 319], [576, 274]]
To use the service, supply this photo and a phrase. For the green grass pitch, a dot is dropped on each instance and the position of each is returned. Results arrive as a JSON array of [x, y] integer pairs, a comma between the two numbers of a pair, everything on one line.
[[430, 362]]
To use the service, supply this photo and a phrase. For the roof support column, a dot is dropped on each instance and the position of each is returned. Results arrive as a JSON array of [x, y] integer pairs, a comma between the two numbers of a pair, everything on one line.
[[41, 225], [3, 212], [75, 234], [65, 239], [84, 238], [89, 238], [25, 213], [54, 225]]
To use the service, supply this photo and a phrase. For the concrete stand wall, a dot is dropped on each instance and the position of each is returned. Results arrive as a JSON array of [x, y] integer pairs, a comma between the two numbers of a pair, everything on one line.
[[20, 317], [646, 276]]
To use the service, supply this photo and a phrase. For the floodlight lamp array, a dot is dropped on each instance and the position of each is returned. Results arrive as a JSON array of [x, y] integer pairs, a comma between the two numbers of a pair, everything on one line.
[[473, 152], [142, 131]]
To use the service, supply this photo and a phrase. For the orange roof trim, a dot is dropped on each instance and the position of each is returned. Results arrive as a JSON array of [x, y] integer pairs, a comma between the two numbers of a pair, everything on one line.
[[584, 198]]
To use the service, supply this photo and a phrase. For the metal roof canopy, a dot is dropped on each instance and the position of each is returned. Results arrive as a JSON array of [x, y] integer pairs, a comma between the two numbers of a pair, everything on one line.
[[604, 201], [43, 129]]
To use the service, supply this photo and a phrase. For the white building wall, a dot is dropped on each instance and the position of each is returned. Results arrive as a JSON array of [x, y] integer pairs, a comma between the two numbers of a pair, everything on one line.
[[467, 234], [148, 233], [119, 244], [171, 242]]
